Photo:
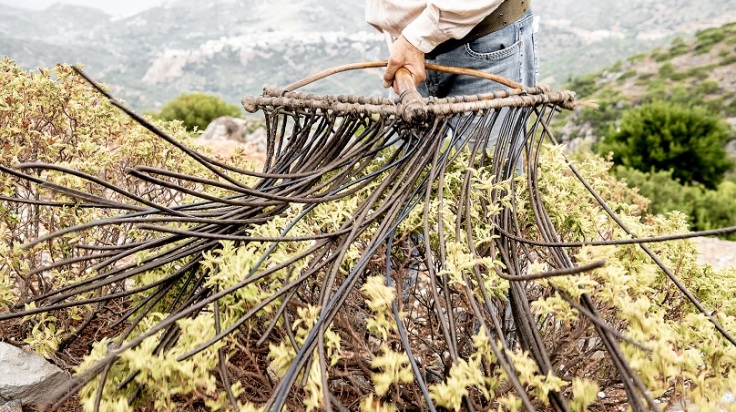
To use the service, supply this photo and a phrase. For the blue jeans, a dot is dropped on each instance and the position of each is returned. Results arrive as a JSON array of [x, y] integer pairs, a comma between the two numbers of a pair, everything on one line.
[[509, 52]]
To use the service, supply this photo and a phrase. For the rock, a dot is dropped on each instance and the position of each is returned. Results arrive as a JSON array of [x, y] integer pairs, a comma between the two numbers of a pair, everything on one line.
[[224, 134], [27, 377], [12, 406], [226, 128]]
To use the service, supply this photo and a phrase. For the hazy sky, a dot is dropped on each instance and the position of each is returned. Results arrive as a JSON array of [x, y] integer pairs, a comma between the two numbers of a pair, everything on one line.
[[114, 7]]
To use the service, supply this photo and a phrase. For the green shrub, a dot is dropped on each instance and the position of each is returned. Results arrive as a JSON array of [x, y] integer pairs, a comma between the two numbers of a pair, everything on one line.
[[627, 75], [678, 47], [664, 136], [708, 87], [706, 209], [706, 39], [717, 208], [197, 110], [585, 85], [664, 193], [667, 69]]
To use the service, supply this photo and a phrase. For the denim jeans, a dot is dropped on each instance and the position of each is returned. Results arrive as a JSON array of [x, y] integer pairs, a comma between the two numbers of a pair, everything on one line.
[[509, 52]]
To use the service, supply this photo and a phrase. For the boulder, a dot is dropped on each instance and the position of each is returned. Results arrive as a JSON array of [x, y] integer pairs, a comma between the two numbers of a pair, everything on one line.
[[12, 406], [226, 128], [27, 377], [223, 134]]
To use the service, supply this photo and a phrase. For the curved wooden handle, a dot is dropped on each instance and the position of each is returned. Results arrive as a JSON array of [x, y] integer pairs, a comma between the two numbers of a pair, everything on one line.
[[414, 108], [435, 67], [405, 81]]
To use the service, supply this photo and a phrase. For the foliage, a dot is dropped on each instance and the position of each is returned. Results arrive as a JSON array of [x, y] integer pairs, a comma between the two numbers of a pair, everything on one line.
[[690, 142], [706, 209], [706, 39], [197, 110], [53, 117], [364, 355], [584, 85], [626, 289]]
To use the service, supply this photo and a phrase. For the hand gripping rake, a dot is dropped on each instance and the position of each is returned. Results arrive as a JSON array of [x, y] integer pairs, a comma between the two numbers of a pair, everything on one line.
[[353, 189]]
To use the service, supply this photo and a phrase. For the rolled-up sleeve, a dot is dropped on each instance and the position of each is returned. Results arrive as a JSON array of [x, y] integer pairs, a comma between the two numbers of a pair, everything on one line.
[[442, 20]]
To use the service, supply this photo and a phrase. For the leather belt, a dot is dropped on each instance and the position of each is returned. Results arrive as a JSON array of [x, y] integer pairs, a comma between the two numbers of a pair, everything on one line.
[[507, 12]]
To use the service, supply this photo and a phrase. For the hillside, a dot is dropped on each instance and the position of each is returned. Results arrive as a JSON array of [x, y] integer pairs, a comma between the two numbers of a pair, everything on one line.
[[233, 48], [230, 48], [699, 72], [576, 40]]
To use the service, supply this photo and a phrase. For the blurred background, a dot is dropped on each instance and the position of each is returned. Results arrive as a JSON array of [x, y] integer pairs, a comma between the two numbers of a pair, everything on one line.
[[151, 51]]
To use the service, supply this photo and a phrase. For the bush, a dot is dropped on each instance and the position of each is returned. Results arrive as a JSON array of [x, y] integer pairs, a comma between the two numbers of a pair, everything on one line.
[[706, 39], [664, 193], [54, 117], [363, 360], [197, 110], [662, 136], [706, 209], [717, 208]]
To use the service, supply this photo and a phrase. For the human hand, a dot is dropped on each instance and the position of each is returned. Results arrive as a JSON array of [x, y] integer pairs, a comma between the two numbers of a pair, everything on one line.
[[404, 54]]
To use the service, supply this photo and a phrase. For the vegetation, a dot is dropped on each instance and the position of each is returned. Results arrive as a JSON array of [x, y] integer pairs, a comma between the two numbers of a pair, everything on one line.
[[662, 115], [55, 118], [661, 136], [689, 80], [197, 110], [706, 209]]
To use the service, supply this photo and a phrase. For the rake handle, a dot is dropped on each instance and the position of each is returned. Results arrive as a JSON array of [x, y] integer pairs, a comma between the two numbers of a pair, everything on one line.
[[414, 108], [434, 67]]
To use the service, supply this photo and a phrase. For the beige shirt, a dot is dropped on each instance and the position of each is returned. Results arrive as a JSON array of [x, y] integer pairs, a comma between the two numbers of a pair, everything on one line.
[[427, 23]]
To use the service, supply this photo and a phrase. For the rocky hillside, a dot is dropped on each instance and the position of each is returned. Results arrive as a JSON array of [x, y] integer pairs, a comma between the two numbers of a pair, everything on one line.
[[230, 48], [700, 71], [579, 38], [234, 47]]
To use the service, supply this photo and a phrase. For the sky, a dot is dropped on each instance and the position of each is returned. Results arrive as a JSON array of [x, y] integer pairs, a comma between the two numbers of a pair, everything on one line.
[[114, 7]]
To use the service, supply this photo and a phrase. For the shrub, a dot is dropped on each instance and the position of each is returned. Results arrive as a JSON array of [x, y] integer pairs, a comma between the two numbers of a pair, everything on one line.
[[706, 209], [663, 136], [717, 208], [664, 193], [197, 110], [54, 117], [679, 353], [708, 38], [585, 85]]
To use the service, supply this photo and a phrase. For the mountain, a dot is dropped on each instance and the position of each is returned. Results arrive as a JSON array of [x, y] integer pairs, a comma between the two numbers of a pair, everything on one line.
[[235, 47], [577, 38], [231, 48]]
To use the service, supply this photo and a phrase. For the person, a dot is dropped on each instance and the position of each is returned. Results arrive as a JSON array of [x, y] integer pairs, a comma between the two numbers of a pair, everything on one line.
[[496, 36]]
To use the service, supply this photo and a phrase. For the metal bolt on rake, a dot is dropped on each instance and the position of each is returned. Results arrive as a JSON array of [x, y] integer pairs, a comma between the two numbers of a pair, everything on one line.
[[323, 149]]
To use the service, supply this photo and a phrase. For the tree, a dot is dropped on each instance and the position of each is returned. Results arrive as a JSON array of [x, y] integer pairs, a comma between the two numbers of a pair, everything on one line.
[[688, 141], [197, 110]]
